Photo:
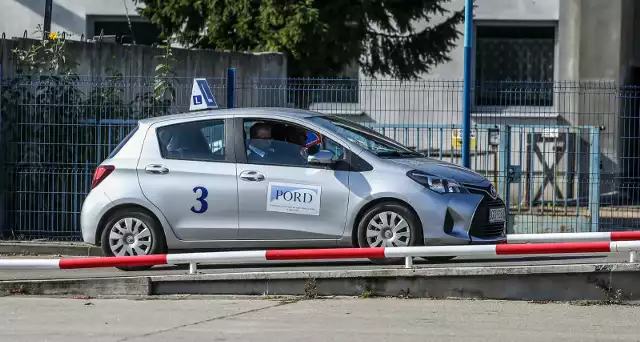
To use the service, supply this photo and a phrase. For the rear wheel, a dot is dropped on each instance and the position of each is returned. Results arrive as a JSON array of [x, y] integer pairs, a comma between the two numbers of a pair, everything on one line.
[[132, 232], [390, 225]]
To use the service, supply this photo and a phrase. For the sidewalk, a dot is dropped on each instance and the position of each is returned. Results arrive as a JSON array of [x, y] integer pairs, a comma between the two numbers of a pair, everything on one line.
[[291, 320]]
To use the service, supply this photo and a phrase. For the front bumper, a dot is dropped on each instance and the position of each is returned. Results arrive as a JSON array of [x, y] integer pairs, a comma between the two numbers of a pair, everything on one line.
[[466, 221], [482, 230]]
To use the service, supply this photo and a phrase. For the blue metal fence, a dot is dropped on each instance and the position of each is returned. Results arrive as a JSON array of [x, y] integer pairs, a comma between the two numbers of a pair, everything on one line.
[[569, 164], [521, 176], [61, 128]]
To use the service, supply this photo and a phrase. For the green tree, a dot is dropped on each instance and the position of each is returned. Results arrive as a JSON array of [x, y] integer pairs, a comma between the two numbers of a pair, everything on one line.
[[397, 38]]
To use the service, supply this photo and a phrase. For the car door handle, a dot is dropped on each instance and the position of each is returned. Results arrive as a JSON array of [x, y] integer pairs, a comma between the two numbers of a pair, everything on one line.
[[156, 169], [252, 176]]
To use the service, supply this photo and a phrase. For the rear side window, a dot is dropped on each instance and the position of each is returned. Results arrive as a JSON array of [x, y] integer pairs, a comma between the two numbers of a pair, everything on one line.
[[123, 142], [198, 140]]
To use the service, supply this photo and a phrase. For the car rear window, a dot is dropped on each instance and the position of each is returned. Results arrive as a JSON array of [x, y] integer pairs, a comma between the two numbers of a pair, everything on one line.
[[123, 142]]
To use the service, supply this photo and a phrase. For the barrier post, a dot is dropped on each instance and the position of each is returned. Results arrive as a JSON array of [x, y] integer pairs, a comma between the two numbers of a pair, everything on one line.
[[231, 87], [408, 262], [594, 178]]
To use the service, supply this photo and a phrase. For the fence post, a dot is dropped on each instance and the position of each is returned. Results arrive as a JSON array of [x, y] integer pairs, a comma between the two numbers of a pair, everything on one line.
[[594, 178], [504, 163], [231, 87], [466, 104], [3, 175]]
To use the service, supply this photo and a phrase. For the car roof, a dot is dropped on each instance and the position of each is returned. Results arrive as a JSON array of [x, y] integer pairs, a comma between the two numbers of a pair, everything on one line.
[[263, 111]]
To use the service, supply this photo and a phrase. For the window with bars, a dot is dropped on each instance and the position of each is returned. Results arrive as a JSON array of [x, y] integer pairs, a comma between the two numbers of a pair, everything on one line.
[[514, 65]]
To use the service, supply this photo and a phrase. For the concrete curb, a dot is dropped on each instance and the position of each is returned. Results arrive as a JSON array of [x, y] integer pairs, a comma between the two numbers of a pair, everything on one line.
[[91, 287], [599, 282], [34, 248], [612, 282]]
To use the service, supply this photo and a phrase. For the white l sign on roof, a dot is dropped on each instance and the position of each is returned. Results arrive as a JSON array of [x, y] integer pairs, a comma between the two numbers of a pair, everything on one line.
[[201, 95]]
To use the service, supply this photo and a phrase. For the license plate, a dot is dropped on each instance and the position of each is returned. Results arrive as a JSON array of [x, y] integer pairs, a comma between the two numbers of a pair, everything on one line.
[[497, 215]]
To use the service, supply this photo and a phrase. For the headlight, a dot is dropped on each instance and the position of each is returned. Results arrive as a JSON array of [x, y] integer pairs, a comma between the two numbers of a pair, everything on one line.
[[437, 184]]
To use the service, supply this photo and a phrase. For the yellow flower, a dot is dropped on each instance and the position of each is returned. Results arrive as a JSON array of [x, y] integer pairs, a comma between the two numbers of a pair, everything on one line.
[[53, 35]]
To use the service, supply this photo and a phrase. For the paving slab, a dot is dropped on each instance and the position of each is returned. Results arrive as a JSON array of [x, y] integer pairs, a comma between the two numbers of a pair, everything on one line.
[[340, 319]]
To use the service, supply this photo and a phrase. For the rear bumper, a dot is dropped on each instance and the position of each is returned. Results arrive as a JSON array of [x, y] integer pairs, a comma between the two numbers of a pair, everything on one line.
[[93, 208]]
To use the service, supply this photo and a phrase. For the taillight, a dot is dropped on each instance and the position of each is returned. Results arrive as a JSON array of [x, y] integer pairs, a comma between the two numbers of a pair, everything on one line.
[[101, 173]]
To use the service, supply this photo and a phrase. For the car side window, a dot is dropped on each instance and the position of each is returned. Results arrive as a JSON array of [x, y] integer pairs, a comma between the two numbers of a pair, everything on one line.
[[198, 140], [278, 143], [275, 143]]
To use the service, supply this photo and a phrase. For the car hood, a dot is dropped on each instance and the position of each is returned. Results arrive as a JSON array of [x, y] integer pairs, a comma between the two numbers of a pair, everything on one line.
[[442, 169]]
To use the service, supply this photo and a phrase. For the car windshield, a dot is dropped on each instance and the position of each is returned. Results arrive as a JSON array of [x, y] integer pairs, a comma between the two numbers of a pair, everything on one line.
[[367, 138]]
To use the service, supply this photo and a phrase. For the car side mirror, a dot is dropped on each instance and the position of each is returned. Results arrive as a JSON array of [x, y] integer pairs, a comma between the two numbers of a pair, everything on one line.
[[323, 157]]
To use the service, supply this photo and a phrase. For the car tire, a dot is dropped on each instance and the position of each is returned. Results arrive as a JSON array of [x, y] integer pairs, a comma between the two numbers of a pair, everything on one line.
[[376, 214], [131, 232]]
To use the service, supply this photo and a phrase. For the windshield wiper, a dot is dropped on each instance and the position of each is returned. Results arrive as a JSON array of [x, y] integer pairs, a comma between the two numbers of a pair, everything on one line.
[[399, 154]]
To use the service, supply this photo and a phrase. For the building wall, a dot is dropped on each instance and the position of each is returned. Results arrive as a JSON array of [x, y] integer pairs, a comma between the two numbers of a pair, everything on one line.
[[67, 15], [139, 62], [599, 49], [437, 97], [442, 102]]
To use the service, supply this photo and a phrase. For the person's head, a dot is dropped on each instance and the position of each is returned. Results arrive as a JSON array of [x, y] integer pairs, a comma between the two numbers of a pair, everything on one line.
[[296, 136], [260, 134]]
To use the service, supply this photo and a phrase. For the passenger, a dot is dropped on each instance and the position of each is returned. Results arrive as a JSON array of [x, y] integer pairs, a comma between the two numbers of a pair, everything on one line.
[[297, 139], [296, 136]]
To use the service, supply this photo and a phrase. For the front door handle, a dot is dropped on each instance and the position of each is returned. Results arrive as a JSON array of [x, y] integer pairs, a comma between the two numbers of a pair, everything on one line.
[[251, 176], [156, 169]]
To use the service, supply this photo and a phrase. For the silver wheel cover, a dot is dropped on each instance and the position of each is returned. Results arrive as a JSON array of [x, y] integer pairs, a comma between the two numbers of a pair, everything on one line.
[[388, 229], [130, 236]]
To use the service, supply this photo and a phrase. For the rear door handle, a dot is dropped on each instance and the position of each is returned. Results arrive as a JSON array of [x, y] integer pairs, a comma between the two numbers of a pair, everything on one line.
[[156, 169], [251, 176]]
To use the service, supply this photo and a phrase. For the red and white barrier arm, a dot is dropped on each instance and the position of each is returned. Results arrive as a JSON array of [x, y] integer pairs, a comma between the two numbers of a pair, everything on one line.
[[242, 257], [573, 237]]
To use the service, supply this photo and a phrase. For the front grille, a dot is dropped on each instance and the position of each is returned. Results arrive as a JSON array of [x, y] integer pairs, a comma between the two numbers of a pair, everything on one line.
[[480, 226], [478, 190]]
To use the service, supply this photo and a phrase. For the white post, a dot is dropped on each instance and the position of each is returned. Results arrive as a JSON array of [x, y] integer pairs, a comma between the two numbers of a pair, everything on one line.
[[408, 262], [632, 256], [193, 268]]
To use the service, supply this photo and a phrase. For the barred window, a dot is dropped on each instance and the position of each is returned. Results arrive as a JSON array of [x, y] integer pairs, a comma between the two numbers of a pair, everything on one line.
[[514, 65]]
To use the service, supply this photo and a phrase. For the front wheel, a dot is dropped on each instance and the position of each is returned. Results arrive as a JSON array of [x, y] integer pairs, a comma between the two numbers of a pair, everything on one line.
[[132, 232], [389, 224]]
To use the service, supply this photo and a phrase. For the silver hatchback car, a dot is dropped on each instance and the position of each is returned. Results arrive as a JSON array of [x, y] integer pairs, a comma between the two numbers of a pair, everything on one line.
[[279, 178]]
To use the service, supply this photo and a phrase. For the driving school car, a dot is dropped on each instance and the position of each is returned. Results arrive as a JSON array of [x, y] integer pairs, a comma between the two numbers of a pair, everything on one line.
[[279, 178]]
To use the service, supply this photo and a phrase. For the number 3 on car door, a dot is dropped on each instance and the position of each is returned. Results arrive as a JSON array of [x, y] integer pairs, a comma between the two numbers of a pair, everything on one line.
[[202, 199]]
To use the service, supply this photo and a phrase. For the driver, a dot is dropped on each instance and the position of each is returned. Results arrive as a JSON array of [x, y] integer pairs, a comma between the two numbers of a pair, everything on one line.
[[259, 145]]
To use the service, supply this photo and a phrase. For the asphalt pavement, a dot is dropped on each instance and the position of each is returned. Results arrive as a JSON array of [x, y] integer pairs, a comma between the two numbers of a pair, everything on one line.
[[284, 266], [338, 319]]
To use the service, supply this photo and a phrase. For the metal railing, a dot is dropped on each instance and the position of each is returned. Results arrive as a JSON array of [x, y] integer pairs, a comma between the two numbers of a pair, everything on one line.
[[513, 157], [569, 167]]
